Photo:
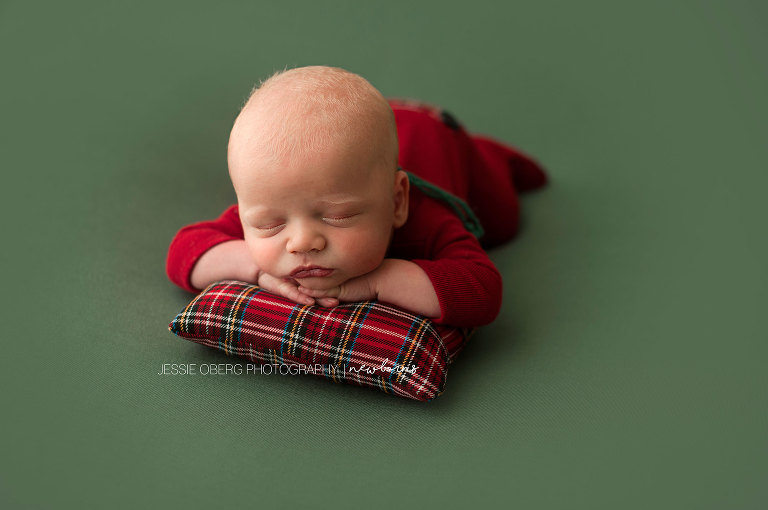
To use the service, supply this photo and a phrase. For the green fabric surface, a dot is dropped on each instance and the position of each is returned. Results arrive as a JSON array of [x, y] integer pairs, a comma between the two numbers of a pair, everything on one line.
[[626, 369]]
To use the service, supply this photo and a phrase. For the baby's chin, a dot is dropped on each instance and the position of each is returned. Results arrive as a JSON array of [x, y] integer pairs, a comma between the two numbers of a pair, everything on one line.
[[320, 283]]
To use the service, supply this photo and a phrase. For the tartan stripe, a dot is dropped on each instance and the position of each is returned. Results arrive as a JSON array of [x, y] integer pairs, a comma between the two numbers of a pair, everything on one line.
[[408, 344], [352, 341], [292, 324], [368, 308], [245, 308], [233, 311]]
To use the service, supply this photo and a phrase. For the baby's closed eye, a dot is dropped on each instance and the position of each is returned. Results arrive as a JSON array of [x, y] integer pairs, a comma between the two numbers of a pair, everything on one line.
[[340, 219], [270, 227]]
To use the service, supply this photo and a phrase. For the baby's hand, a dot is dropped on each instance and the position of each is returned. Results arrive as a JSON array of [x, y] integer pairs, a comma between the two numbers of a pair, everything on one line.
[[397, 282], [362, 288], [289, 289]]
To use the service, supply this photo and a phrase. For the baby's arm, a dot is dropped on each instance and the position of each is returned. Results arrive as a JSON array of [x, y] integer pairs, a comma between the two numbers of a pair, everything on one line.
[[395, 281], [229, 260], [405, 284], [199, 241]]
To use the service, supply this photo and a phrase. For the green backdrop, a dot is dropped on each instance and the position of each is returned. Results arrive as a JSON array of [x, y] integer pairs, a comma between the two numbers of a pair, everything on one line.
[[626, 369]]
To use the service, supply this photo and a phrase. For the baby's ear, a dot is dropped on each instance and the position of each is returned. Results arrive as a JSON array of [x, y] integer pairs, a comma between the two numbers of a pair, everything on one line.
[[400, 196]]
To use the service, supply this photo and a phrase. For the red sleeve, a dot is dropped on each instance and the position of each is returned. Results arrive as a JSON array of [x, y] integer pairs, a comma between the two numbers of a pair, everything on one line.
[[193, 240], [468, 285]]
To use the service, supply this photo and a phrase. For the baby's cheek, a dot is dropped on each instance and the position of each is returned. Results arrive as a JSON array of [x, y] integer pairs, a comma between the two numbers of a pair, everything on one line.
[[366, 251], [264, 257]]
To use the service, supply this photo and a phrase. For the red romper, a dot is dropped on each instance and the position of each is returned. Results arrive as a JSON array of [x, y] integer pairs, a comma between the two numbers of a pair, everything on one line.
[[483, 172]]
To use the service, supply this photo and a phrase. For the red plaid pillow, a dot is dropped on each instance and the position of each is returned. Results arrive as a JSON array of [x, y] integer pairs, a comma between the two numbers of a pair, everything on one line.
[[369, 343]]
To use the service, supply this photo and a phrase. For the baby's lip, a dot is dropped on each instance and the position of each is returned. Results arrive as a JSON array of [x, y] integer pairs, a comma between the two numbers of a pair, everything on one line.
[[311, 272]]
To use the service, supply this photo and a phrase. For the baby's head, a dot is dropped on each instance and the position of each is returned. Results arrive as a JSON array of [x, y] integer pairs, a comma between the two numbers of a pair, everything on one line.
[[313, 160]]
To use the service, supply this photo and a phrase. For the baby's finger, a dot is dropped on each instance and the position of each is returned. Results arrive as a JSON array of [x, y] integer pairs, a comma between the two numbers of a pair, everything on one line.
[[317, 293], [293, 294], [328, 302], [286, 289]]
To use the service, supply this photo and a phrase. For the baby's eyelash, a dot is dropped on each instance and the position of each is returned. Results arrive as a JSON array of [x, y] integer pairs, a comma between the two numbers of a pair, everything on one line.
[[339, 218], [268, 228]]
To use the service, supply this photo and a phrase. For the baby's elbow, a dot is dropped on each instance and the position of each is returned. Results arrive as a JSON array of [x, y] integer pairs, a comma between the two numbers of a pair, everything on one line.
[[482, 303], [493, 288]]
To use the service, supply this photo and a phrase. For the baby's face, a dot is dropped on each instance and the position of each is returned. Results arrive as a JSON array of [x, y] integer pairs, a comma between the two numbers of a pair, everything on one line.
[[320, 218]]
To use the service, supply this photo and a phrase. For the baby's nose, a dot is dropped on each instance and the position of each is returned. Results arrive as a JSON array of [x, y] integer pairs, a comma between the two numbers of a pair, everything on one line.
[[304, 240]]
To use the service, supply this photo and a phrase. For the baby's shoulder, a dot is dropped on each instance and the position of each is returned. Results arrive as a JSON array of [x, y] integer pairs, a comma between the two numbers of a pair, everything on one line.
[[428, 219]]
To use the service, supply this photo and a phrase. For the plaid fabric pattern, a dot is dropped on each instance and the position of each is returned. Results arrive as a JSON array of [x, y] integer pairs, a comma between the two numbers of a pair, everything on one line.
[[368, 343]]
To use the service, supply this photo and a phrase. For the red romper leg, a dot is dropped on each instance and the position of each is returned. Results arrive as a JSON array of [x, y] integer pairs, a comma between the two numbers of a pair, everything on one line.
[[478, 169], [495, 198]]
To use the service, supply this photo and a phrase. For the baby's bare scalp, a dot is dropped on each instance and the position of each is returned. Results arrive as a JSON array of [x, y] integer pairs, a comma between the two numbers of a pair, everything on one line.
[[306, 109]]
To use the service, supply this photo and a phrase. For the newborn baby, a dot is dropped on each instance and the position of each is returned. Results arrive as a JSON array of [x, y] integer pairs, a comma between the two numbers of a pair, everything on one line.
[[325, 213]]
